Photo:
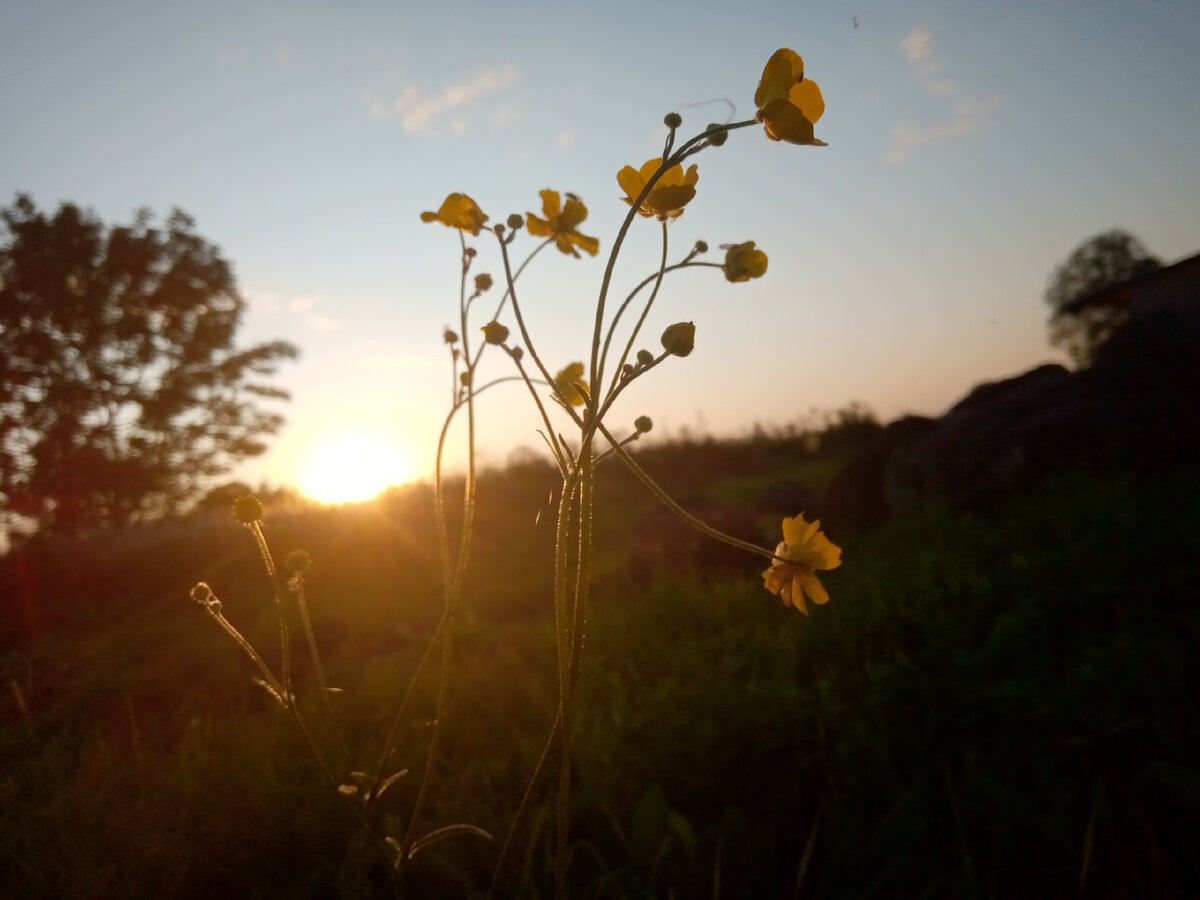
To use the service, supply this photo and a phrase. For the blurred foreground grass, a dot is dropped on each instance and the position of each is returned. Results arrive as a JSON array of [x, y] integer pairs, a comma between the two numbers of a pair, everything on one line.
[[994, 704]]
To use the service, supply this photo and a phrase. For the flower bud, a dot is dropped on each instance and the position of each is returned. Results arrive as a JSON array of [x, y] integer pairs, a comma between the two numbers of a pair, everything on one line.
[[515, 221], [642, 424], [644, 357], [299, 562], [494, 333], [517, 353], [470, 251], [201, 593], [248, 509], [679, 339], [449, 336], [483, 282], [701, 247], [717, 135], [673, 120]]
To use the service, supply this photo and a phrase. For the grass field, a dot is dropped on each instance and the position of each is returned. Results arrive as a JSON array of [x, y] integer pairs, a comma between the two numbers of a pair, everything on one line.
[[995, 703]]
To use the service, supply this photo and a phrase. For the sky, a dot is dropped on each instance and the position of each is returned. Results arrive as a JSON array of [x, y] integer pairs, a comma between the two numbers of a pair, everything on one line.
[[971, 147]]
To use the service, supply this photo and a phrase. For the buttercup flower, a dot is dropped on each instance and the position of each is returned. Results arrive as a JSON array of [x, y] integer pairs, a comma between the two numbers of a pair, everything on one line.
[[671, 193], [560, 223], [743, 262], [570, 384], [788, 103], [458, 211], [804, 550]]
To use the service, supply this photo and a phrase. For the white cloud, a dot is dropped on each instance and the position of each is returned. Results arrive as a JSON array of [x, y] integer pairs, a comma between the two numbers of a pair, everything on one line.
[[965, 115], [964, 119], [417, 113], [322, 324]]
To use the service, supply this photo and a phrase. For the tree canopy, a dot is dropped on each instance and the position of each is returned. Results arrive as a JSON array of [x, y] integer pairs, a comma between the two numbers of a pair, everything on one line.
[[1099, 262], [121, 388]]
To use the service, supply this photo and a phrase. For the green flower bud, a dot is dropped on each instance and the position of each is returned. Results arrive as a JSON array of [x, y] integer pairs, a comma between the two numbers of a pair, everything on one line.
[[644, 357], [679, 339], [717, 135], [642, 424], [673, 120], [483, 282], [515, 221]]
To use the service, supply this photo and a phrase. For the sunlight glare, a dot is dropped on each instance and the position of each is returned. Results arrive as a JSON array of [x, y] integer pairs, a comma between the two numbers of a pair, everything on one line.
[[353, 466]]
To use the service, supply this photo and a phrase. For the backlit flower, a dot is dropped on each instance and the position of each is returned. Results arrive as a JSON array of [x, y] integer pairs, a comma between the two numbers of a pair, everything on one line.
[[743, 262], [458, 211], [560, 223], [671, 193], [804, 550], [570, 384], [788, 103]]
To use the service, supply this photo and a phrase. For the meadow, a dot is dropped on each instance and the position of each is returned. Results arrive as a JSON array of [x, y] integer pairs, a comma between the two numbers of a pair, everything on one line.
[[996, 702]]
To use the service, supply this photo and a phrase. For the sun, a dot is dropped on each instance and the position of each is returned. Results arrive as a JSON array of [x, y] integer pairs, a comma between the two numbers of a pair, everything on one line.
[[354, 465]]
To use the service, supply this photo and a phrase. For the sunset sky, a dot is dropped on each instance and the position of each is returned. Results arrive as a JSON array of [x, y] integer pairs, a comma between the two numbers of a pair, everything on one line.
[[971, 148]]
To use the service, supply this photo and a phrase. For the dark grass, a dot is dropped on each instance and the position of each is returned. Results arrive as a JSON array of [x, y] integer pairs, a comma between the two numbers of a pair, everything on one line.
[[995, 703]]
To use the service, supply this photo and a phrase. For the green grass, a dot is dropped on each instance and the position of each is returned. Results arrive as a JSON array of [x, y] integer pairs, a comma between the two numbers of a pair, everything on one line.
[[994, 704]]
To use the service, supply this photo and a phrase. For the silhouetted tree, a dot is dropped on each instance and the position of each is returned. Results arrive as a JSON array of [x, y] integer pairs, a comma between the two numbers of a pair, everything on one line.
[[1099, 262], [121, 389]]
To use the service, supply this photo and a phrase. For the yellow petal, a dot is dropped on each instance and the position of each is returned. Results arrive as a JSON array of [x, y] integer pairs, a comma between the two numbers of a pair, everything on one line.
[[784, 69], [551, 204], [814, 588], [631, 182], [536, 226], [806, 96], [587, 244]]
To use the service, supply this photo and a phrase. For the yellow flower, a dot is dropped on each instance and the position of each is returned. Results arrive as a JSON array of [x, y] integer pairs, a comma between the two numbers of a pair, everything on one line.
[[570, 384], [743, 262], [804, 550], [671, 192], [458, 211], [560, 223], [788, 103]]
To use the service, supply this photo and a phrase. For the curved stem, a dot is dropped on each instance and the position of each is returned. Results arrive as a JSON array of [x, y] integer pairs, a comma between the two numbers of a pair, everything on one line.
[[665, 498]]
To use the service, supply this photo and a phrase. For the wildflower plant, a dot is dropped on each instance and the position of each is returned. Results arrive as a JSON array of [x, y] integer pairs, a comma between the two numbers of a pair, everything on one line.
[[574, 400]]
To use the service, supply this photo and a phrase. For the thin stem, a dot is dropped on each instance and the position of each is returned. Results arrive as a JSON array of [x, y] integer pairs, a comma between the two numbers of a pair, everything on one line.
[[665, 498], [285, 652], [612, 326], [658, 280], [318, 669]]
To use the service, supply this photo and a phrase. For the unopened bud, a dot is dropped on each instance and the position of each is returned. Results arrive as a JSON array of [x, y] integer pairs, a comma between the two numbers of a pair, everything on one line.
[[494, 333], [449, 336], [642, 424], [248, 509], [515, 221], [673, 120], [483, 282], [717, 135], [679, 339], [644, 357]]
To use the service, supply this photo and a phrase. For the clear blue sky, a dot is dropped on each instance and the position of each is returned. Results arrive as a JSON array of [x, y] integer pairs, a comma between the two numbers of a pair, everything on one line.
[[971, 147]]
